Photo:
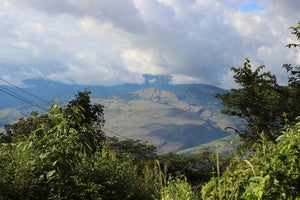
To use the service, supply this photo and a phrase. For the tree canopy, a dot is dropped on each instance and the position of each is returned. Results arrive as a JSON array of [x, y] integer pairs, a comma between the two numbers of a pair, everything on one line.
[[261, 101]]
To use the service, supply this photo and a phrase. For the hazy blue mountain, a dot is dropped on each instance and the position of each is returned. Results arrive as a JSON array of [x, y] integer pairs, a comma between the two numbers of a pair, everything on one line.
[[197, 94], [173, 117]]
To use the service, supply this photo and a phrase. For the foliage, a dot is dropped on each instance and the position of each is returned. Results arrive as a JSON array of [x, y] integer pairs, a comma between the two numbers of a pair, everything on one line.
[[261, 101], [273, 172], [177, 189], [68, 157], [92, 114], [24, 127], [296, 32], [79, 112], [64, 155], [105, 176], [258, 102], [198, 169], [136, 149]]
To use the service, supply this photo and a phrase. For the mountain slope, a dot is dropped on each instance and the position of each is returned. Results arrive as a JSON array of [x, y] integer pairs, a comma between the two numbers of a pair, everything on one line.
[[173, 117], [159, 117]]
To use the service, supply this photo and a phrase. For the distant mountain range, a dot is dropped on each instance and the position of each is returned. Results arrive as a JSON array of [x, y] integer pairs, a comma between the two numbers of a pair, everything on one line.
[[172, 117]]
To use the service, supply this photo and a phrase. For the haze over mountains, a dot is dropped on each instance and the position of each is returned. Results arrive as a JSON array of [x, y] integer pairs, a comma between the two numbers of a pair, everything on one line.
[[172, 117]]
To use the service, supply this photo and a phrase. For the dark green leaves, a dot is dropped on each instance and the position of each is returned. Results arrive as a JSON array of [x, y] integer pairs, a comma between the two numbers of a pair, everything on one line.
[[258, 101]]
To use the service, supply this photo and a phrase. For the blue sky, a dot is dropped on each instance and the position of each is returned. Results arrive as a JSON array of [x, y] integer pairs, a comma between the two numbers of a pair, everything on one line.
[[251, 6], [111, 42]]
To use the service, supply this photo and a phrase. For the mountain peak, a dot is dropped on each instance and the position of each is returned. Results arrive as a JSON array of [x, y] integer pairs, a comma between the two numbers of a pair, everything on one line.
[[156, 95]]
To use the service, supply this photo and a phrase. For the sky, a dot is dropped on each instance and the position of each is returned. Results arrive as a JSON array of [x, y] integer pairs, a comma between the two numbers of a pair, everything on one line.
[[112, 42]]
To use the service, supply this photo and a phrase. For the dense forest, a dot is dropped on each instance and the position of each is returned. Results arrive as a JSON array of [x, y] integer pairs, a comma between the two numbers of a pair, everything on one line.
[[65, 153]]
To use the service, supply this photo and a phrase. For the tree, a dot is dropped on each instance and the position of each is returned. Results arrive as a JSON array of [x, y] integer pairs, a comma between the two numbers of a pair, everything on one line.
[[198, 168], [24, 127], [261, 101], [91, 114], [89, 118], [79, 110], [71, 159], [273, 172], [293, 80], [295, 31], [258, 101], [136, 149]]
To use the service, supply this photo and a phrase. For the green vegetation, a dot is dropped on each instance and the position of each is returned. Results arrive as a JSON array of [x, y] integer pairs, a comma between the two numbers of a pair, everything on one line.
[[177, 189], [64, 154], [261, 101], [258, 102], [273, 172]]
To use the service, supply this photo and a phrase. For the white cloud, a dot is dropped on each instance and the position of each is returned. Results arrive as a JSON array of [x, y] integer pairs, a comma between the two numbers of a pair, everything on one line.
[[116, 41], [181, 79]]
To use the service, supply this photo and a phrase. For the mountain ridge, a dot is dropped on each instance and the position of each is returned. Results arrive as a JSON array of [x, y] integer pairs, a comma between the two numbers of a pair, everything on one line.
[[51, 90], [173, 117], [159, 117]]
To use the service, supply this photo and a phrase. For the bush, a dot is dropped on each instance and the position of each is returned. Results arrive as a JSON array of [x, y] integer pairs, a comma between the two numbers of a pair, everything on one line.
[[273, 172], [70, 159], [177, 189]]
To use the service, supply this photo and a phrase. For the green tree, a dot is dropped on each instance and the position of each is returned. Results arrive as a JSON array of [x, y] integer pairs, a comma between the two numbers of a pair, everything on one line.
[[68, 157], [296, 32], [177, 189], [24, 127], [293, 80], [198, 168], [273, 172], [136, 149], [79, 110], [90, 114], [258, 102], [261, 101]]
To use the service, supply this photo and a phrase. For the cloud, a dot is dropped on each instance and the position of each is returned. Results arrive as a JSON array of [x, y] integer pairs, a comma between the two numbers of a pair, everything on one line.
[[123, 14], [191, 43], [116, 41]]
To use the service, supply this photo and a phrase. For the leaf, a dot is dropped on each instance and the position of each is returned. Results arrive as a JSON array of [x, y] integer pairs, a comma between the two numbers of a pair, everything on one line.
[[29, 145], [54, 163], [44, 155], [41, 177], [53, 148], [50, 174]]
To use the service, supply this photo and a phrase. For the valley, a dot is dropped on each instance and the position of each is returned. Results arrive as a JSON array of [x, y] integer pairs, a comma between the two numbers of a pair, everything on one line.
[[175, 118]]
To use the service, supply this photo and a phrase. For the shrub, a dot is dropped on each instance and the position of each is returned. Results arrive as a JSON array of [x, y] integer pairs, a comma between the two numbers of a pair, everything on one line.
[[273, 172], [177, 189]]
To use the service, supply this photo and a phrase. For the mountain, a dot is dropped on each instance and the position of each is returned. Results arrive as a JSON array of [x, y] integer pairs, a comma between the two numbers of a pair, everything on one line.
[[173, 117], [51, 90], [160, 118]]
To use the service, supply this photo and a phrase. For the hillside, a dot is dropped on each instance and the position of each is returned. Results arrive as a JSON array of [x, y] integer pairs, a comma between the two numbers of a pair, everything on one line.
[[173, 117], [159, 117]]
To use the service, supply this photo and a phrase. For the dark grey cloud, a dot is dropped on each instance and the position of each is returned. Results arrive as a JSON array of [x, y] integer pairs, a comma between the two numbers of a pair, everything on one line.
[[193, 43], [123, 14], [288, 7]]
